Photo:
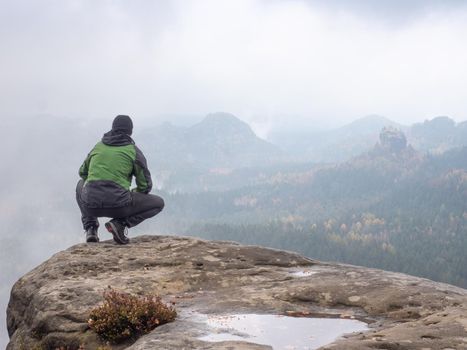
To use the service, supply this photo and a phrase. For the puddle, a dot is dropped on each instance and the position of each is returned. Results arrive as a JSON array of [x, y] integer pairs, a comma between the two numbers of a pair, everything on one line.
[[280, 332], [303, 273]]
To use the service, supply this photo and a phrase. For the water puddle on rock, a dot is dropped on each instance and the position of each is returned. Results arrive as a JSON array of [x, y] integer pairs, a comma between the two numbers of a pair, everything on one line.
[[280, 332]]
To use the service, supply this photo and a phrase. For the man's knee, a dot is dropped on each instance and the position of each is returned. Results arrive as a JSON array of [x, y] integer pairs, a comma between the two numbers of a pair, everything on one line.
[[148, 201], [162, 203], [157, 202]]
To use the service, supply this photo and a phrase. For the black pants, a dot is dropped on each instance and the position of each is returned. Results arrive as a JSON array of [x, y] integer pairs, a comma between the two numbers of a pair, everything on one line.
[[142, 207]]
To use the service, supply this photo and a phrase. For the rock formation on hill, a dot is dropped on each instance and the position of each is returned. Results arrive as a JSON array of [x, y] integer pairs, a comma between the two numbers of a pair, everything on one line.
[[392, 140], [49, 306]]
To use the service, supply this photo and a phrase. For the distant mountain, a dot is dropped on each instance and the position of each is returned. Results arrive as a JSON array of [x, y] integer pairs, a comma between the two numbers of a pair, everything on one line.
[[202, 156], [337, 145], [334, 145], [223, 140], [438, 135], [219, 143], [434, 136], [219, 140], [367, 125]]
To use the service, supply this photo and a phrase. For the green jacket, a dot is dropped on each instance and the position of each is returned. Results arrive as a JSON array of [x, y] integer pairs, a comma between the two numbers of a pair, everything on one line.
[[108, 170]]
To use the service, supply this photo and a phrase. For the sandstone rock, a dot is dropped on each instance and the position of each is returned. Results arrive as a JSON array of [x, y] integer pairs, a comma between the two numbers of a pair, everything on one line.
[[392, 140], [50, 305]]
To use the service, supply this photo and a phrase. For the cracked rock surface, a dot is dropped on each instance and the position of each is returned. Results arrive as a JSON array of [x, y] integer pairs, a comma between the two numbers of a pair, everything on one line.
[[49, 306]]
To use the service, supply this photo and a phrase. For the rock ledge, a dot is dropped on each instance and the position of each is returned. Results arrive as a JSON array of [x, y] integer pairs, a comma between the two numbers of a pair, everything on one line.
[[49, 306]]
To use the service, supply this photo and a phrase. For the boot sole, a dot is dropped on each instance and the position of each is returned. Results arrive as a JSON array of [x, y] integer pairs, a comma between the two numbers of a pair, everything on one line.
[[113, 230], [92, 240]]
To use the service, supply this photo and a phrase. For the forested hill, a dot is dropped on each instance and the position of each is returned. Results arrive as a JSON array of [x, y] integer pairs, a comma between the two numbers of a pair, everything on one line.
[[391, 208]]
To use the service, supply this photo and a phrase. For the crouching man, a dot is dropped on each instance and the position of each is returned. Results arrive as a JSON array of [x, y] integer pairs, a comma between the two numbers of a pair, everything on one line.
[[104, 188]]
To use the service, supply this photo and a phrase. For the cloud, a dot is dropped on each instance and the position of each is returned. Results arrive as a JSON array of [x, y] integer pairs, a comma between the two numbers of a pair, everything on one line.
[[267, 61], [388, 12]]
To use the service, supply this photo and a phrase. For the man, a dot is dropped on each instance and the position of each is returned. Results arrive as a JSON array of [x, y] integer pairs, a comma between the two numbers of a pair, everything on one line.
[[104, 188]]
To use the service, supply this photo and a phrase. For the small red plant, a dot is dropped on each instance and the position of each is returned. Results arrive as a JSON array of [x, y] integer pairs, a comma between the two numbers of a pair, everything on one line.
[[123, 316]]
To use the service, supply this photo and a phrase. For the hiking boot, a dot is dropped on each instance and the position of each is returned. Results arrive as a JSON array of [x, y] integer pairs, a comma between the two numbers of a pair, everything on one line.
[[118, 230], [91, 235]]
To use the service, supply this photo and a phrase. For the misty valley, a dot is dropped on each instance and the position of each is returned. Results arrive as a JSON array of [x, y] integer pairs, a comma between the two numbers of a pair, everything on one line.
[[390, 205], [371, 193]]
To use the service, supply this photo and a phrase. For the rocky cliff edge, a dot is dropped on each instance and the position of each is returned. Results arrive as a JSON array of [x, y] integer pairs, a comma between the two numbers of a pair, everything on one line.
[[49, 307]]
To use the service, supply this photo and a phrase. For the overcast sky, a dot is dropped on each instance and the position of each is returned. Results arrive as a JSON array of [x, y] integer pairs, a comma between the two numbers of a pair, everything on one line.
[[270, 62]]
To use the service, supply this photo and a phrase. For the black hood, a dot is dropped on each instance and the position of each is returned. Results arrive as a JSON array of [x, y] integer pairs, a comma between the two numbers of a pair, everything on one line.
[[115, 138], [123, 123]]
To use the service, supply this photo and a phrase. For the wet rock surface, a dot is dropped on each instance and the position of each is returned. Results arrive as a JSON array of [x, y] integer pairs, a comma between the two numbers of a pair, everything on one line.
[[49, 307]]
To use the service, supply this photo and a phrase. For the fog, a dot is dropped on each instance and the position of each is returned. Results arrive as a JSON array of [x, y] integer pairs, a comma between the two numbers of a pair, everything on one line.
[[272, 62], [68, 67]]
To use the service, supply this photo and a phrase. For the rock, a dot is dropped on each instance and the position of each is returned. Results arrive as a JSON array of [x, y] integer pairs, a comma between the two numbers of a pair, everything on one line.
[[49, 306], [392, 140]]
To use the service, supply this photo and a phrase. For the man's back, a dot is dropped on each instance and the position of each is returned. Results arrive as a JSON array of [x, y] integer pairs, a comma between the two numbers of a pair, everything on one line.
[[112, 163]]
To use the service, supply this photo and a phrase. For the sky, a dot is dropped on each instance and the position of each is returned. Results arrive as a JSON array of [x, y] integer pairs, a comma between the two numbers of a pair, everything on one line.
[[272, 63]]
